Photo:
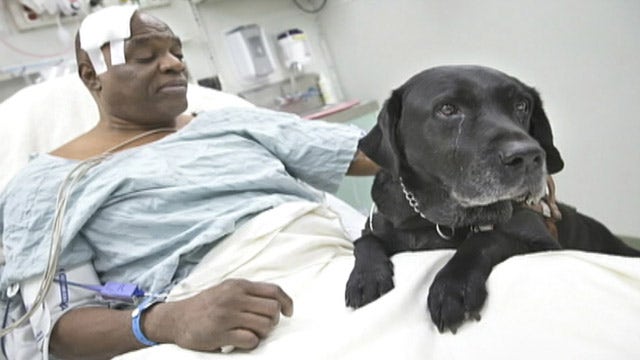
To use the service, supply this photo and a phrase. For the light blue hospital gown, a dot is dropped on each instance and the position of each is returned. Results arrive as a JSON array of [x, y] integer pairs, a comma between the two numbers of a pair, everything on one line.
[[148, 214]]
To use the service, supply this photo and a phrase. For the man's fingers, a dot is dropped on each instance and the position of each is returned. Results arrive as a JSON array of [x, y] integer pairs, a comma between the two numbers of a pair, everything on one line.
[[258, 324], [267, 307], [241, 338], [271, 291], [235, 313], [251, 329]]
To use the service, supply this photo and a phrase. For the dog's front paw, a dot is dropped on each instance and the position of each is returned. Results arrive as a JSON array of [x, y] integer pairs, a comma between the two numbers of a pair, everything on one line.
[[368, 283], [454, 297]]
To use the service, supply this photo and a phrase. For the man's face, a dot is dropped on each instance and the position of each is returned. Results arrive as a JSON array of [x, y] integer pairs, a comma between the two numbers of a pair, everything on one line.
[[150, 88]]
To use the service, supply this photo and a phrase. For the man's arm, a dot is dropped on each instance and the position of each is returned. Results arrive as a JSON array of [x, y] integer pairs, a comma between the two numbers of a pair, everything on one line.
[[361, 165], [93, 333], [235, 312]]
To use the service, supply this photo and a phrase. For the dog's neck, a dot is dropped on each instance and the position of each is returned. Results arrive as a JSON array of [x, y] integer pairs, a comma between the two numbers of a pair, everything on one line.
[[435, 204]]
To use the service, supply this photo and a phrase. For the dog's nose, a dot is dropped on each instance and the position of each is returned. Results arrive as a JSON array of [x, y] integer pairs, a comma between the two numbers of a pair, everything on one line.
[[517, 156]]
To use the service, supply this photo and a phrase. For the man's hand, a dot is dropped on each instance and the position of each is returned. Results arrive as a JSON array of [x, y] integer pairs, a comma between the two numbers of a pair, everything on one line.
[[235, 312], [239, 313], [361, 165]]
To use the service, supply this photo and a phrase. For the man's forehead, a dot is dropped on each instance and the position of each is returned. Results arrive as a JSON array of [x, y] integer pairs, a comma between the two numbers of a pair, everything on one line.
[[139, 40], [145, 28], [142, 23]]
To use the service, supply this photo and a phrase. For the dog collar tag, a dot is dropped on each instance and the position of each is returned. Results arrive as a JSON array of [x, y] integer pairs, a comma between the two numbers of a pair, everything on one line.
[[481, 228]]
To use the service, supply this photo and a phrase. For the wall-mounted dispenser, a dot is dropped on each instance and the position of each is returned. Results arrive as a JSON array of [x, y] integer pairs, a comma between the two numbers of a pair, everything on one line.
[[249, 52], [295, 49]]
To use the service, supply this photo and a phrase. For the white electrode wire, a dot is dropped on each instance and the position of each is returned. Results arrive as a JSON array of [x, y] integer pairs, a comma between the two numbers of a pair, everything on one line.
[[56, 235], [54, 249]]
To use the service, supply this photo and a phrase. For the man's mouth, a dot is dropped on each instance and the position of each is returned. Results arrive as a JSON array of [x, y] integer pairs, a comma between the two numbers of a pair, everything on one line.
[[173, 86]]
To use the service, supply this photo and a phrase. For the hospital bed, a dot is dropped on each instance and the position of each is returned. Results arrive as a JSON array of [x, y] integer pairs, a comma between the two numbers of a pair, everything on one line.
[[555, 305]]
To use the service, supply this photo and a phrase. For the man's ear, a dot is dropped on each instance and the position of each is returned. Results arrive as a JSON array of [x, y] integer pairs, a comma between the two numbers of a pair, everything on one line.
[[380, 143], [540, 129], [89, 77]]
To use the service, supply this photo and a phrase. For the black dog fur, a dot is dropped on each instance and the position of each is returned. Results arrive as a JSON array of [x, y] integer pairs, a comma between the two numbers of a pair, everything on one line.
[[471, 144]]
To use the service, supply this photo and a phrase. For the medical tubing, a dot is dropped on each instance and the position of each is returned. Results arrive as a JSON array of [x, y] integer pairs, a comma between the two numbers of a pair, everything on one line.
[[95, 288], [54, 249], [5, 318], [61, 205], [113, 290]]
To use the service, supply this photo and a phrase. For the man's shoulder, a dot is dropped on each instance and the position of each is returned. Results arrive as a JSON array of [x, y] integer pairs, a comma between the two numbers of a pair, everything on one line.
[[76, 149], [42, 173]]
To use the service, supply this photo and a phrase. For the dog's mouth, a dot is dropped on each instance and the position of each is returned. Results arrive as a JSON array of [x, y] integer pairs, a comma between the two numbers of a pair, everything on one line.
[[528, 196], [486, 186]]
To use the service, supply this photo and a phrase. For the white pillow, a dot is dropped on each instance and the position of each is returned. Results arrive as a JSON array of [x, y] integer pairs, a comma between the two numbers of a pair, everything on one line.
[[42, 117]]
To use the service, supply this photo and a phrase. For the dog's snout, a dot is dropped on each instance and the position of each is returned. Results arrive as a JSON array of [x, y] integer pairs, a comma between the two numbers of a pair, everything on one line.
[[517, 156]]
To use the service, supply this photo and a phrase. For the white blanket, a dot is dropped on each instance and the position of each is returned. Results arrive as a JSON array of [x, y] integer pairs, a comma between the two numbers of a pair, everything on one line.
[[556, 305]]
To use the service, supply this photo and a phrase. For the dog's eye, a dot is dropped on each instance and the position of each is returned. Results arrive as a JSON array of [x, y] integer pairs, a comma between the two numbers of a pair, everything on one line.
[[522, 106], [448, 110]]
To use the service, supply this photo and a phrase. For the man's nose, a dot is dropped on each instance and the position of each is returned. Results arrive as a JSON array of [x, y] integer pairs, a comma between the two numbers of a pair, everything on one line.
[[170, 62]]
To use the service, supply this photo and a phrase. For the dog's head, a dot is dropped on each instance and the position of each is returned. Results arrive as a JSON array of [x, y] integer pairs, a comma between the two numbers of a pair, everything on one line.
[[478, 134]]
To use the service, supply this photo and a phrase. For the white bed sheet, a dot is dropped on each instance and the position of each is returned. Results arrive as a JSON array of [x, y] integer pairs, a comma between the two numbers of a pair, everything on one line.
[[560, 305]]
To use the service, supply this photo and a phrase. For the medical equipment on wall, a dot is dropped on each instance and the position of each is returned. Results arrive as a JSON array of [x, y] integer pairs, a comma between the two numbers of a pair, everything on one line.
[[53, 7], [33, 14], [249, 52], [295, 49], [295, 53]]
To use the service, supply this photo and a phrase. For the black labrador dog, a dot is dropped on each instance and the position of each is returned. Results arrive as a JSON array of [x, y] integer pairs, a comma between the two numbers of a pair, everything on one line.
[[466, 153]]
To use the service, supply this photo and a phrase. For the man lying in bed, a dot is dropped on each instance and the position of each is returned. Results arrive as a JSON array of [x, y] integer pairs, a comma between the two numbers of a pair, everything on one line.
[[171, 189]]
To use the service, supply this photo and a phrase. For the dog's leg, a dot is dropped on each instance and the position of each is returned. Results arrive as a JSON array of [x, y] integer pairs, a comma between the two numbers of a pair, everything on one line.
[[372, 274], [580, 232], [458, 291]]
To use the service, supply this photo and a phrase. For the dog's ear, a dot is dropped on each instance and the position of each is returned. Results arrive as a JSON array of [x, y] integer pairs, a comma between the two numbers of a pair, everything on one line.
[[380, 143], [540, 129]]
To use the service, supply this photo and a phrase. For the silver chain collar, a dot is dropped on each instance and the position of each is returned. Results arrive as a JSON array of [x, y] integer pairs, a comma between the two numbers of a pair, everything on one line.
[[413, 202]]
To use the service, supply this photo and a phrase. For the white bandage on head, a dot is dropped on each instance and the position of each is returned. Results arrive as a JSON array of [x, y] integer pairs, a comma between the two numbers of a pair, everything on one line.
[[110, 25]]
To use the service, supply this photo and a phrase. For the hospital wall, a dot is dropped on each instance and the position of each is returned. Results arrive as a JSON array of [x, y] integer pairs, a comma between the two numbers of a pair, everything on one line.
[[273, 16], [582, 55]]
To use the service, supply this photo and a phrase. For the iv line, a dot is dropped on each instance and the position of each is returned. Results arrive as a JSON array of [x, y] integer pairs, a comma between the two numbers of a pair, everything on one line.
[[68, 183]]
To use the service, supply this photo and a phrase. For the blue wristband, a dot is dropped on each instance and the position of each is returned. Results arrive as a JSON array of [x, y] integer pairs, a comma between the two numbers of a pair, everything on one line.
[[136, 315]]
